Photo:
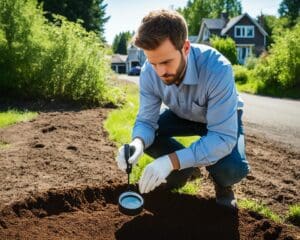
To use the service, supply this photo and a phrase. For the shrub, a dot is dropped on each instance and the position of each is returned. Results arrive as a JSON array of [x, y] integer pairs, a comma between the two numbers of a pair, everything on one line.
[[241, 74], [226, 46], [282, 66], [45, 60], [251, 62]]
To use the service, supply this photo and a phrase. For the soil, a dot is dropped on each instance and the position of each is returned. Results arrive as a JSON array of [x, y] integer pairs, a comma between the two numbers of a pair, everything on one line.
[[59, 180]]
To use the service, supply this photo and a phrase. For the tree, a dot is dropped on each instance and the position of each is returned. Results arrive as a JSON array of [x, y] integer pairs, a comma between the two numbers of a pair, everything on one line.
[[290, 9], [196, 10], [231, 7], [226, 46], [273, 26], [121, 41], [281, 67], [91, 12]]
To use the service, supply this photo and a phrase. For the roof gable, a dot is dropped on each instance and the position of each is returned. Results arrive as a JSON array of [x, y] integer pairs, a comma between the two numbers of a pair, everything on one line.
[[218, 23], [232, 22]]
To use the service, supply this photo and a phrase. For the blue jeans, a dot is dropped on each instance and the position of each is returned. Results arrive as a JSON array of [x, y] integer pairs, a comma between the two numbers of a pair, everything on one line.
[[226, 172]]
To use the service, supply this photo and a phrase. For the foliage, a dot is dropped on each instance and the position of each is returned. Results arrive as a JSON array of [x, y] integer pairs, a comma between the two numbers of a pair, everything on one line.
[[226, 46], [196, 10], [240, 74], [121, 41], [282, 66], [274, 27], [251, 62], [91, 12], [59, 60], [13, 116], [294, 214], [291, 10]]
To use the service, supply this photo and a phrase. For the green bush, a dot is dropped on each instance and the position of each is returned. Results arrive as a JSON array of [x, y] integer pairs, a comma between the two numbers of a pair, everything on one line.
[[226, 46], [241, 74], [45, 60], [281, 67], [251, 62]]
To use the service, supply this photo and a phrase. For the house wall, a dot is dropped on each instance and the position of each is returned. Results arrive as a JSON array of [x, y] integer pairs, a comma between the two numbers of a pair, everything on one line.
[[119, 67], [258, 39]]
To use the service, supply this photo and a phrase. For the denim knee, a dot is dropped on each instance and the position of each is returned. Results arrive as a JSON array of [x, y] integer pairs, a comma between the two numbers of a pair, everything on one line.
[[227, 173]]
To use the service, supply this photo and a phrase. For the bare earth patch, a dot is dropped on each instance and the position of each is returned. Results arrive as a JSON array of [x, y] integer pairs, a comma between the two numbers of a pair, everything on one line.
[[59, 180]]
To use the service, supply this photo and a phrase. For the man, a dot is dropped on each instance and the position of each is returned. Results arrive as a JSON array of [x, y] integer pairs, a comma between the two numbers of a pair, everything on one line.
[[196, 84]]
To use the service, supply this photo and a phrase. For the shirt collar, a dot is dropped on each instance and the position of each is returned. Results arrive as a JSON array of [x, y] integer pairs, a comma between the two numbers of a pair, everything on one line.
[[191, 74]]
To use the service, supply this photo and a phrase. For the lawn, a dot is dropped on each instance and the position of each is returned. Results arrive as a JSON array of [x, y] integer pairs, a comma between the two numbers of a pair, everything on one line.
[[14, 116]]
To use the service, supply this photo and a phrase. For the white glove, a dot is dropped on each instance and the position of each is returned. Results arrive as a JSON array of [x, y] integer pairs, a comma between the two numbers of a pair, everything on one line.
[[138, 147], [155, 174]]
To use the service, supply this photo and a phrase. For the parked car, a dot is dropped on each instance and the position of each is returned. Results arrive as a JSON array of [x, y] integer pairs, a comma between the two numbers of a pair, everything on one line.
[[135, 71]]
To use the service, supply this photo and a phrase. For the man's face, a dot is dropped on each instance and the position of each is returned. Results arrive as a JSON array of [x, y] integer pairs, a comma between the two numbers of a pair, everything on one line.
[[168, 62]]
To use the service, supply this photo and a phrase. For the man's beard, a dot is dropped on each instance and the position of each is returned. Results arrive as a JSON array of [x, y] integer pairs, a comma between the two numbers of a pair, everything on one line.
[[178, 76]]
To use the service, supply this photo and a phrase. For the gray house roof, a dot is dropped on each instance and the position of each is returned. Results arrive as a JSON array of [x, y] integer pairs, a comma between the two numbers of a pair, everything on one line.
[[118, 58], [235, 20], [214, 23]]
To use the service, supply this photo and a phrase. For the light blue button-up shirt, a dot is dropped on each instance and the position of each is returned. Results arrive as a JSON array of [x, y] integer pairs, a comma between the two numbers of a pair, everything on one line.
[[207, 94]]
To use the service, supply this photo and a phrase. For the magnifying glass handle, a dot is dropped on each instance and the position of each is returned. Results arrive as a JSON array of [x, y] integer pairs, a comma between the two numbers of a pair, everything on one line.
[[127, 156], [128, 165]]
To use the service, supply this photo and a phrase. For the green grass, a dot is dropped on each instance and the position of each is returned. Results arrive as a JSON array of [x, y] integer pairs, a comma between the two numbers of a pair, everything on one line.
[[191, 188], [293, 214], [260, 208], [13, 116], [119, 125], [3, 145]]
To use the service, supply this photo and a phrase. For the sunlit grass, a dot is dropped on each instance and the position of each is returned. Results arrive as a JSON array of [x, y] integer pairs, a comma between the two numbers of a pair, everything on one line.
[[14, 116], [293, 214], [3, 145], [259, 208], [191, 188]]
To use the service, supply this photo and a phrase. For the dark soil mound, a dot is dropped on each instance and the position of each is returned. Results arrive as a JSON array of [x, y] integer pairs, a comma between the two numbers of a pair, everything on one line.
[[92, 213]]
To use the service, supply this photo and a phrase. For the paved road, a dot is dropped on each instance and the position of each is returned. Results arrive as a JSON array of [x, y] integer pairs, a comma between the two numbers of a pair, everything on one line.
[[278, 119]]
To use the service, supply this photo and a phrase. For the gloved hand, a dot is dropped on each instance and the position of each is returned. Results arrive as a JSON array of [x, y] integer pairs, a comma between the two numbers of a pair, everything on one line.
[[138, 150], [155, 174]]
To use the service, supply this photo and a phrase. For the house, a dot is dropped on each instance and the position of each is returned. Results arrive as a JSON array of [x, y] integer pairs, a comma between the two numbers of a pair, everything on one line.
[[123, 63], [248, 34], [118, 63]]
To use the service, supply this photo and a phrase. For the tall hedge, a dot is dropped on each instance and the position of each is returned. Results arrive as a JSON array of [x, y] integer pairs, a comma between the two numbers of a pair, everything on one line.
[[49, 60], [282, 66]]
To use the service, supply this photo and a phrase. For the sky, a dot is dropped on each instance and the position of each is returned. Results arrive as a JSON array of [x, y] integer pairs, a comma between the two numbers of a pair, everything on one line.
[[127, 15]]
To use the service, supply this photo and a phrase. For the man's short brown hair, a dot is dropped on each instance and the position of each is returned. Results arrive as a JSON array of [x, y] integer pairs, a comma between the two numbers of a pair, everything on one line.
[[159, 25]]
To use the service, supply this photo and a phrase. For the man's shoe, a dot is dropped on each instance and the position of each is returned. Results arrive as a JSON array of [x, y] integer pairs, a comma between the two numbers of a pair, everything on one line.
[[225, 196]]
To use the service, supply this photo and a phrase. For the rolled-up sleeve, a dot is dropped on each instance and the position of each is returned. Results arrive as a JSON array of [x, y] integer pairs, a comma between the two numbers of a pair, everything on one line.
[[146, 120], [221, 123]]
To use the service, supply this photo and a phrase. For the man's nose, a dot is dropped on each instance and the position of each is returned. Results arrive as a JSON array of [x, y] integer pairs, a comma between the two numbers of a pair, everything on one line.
[[161, 69]]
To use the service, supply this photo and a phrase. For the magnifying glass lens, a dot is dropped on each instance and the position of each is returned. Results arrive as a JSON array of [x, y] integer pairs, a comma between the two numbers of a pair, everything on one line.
[[131, 202]]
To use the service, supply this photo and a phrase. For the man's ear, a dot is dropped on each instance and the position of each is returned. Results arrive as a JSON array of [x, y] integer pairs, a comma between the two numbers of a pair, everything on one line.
[[186, 47]]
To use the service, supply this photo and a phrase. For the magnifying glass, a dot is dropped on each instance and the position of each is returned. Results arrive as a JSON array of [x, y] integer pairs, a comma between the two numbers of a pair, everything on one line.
[[130, 202]]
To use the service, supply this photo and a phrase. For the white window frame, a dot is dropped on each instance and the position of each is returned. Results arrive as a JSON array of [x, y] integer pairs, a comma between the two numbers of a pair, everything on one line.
[[243, 31]]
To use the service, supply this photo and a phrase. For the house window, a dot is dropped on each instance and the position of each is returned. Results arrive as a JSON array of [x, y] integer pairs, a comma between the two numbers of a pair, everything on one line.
[[243, 31]]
